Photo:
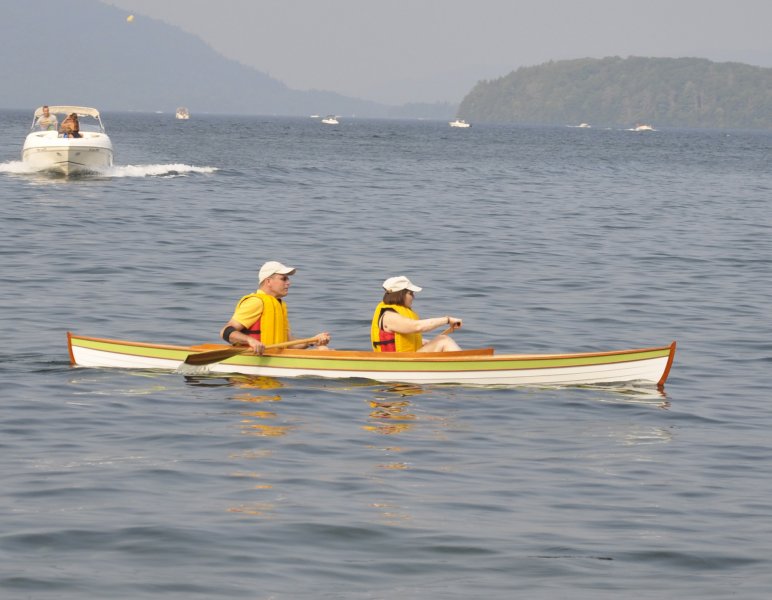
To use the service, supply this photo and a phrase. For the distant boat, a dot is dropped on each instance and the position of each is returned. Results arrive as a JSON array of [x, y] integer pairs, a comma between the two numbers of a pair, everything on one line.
[[581, 126], [182, 113], [643, 128], [314, 116], [330, 120], [459, 123]]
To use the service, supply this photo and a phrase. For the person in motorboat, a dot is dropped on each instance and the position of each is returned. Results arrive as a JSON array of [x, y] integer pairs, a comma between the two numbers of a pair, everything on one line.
[[397, 328], [47, 121], [70, 126], [260, 319]]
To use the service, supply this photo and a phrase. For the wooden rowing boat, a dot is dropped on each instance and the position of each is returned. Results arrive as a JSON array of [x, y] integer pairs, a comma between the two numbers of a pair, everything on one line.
[[471, 367]]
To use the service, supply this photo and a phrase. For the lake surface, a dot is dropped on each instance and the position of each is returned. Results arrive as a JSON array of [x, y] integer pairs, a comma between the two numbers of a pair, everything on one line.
[[139, 485]]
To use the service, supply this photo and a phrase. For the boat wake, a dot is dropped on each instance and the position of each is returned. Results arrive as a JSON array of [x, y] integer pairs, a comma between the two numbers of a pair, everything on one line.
[[173, 170], [17, 167]]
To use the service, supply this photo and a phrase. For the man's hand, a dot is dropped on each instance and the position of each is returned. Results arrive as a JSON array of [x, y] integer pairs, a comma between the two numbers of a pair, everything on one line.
[[257, 346]]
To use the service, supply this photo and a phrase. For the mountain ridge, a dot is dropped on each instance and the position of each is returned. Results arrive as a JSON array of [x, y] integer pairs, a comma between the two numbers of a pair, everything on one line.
[[83, 52], [614, 91]]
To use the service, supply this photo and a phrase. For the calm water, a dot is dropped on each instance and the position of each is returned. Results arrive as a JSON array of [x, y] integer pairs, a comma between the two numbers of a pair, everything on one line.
[[143, 485]]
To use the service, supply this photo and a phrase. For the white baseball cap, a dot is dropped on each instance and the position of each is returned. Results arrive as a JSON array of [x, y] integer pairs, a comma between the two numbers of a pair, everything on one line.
[[397, 284], [272, 268]]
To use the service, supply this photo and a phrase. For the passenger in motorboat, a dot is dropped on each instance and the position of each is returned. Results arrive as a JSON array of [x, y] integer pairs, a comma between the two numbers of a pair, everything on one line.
[[260, 319], [47, 121], [70, 126], [397, 328]]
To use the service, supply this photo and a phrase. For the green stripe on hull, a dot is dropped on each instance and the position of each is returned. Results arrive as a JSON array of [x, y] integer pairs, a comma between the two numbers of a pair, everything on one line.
[[381, 363], [391, 365], [168, 353]]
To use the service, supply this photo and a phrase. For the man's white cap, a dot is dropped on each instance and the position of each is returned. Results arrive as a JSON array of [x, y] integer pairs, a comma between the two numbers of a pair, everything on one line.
[[397, 284], [272, 268]]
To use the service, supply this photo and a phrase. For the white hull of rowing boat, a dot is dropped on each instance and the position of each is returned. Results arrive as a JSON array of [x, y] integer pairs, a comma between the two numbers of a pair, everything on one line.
[[501, 370]]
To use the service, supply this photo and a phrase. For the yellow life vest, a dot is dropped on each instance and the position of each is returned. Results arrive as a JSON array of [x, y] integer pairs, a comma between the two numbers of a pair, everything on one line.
[[384, 341], [272, 327]]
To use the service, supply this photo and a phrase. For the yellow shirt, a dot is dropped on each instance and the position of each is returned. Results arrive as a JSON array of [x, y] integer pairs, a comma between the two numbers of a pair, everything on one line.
[[248, 310]]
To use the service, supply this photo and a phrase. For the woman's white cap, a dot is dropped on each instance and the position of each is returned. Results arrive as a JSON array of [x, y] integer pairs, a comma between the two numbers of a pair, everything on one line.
[[397, 284]]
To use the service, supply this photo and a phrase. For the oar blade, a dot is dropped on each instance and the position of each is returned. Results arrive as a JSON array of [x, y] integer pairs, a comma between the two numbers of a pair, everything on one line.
[[213, 356]]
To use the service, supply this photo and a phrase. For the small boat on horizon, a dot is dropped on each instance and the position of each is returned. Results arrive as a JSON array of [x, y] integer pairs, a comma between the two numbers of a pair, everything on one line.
[[330, 120], [459, 123], [640, 127], [49, 150], [182, 113]]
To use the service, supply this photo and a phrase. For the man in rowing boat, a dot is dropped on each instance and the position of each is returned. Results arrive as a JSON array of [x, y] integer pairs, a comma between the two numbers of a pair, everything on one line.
[[260, 319], [397, 328]]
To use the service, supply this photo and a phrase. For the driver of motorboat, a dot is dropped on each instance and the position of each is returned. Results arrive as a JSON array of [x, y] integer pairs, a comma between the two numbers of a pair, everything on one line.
[[47, 121]]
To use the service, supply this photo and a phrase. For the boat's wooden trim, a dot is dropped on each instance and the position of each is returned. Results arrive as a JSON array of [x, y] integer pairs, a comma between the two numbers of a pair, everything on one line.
[[472, 355], [69, 348], [379, 356], [666, 372]]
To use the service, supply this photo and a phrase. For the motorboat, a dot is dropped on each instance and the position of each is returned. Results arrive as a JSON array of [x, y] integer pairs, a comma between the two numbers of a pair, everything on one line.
[[330, 120], [182, 113], [643, 128], [459, 123], [50, 150]]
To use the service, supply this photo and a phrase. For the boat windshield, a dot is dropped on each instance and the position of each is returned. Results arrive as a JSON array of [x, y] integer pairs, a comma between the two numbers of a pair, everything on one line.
[[88, 118]]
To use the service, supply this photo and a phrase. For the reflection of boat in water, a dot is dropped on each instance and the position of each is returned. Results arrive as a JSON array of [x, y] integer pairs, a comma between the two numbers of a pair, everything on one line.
[[330, 120], [182, 113], [471, 367], [459, 123], [52, 151], [643, 128]]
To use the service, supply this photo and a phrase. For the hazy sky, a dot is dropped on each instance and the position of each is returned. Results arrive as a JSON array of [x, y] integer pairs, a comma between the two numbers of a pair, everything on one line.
[[397, 51]]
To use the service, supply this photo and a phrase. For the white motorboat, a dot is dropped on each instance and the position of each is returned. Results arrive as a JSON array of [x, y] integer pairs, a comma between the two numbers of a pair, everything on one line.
[[182, 113], [49, 150], [330, 120], [459, 123], [643, 128]]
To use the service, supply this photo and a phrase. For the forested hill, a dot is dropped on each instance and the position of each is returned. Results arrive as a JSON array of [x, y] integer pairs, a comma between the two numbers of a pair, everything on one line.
[[614, 92]]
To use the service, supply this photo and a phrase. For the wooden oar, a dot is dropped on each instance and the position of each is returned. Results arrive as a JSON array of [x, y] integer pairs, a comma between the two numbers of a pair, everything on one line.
[[213, 356], [451, 329]]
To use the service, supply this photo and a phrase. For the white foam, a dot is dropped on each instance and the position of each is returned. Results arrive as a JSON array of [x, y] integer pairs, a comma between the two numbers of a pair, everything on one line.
[[172, 170], [17, 167]]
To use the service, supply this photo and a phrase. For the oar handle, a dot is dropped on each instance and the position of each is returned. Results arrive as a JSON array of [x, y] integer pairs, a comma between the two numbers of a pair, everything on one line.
[[292, 343], [451, 329]]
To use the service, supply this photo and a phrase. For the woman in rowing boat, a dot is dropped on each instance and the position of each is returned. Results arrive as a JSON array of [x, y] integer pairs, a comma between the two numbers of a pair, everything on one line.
[[397, 328]]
